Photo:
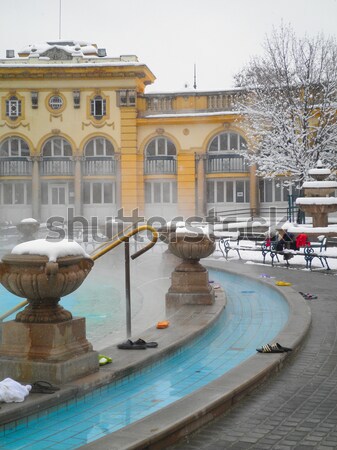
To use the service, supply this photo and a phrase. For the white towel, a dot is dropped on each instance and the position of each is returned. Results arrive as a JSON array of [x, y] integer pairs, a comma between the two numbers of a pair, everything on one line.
[[12, 391]]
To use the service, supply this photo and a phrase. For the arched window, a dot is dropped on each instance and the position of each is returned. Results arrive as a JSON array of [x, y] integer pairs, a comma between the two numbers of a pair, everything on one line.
[[14, 147], [99, 157], [56, 147], [99, 146], [227, 142], [160, 157], [224, 153], [57, 159], [160, 146]]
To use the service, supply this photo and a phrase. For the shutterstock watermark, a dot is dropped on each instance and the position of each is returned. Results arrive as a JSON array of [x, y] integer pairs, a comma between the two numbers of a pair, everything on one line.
[[98, 230]]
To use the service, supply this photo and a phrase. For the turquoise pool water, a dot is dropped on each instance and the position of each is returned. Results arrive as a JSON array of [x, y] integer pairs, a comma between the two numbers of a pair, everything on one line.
[[254, 315]]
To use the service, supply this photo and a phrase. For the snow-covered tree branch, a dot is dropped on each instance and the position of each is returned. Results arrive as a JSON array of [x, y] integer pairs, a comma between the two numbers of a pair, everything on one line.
[[290, 104]]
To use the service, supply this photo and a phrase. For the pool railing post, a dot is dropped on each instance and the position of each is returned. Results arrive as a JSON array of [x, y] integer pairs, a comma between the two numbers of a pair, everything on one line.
[[127, 287]]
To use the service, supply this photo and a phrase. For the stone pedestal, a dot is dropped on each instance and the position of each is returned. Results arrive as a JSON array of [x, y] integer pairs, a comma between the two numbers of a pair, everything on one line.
[[190, 279], [57, 352], [189, 285]]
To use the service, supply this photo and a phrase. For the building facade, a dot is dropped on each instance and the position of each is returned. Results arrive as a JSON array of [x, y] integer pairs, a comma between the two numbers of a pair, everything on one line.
[[78, 131]]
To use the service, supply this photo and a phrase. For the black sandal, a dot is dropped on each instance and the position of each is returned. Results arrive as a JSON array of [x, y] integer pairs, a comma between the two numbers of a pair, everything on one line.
[[148, 344], [280, 347], [43, 387]]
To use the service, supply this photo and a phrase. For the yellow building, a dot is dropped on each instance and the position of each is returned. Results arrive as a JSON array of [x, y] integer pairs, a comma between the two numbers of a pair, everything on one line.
[[78, 131]]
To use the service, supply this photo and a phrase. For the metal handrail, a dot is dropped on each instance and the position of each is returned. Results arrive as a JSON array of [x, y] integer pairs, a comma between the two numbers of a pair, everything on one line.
[[13, 310], [127, 236], [119, 240]]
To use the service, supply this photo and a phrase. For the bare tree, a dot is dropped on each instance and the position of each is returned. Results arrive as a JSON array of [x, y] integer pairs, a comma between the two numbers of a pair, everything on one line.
[[290, 104]]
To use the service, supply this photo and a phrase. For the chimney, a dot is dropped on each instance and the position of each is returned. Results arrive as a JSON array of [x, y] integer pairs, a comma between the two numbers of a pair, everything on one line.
[[101, 52], [10, 53]]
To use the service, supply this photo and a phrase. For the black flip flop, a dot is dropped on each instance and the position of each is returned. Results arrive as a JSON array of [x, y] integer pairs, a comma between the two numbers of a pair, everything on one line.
[[129, 345], [269, 349], [308, 296], [280, 347], [148, 344], [43, 387]]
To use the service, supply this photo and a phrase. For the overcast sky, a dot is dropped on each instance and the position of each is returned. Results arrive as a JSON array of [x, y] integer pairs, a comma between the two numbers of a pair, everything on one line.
[[168, 35]]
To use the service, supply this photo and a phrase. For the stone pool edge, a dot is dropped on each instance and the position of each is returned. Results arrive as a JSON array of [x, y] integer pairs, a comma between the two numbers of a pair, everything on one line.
[[181, 418]]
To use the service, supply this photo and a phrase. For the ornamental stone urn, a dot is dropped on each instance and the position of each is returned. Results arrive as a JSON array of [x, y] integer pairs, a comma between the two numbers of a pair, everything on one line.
[[27, 228], [318, 200], [43, 283], [45, 341], [190, 284]]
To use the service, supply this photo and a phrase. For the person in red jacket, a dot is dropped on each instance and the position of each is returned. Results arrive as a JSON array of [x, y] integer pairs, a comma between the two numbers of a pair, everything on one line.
[[302, 240]]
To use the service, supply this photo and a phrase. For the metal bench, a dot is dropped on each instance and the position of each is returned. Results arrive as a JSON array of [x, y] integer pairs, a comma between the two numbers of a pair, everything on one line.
[[229, 242], [271, 251], [310, 253]]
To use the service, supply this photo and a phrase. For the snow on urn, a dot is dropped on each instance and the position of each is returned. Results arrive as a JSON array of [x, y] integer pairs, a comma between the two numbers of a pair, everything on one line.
[[43, 272]]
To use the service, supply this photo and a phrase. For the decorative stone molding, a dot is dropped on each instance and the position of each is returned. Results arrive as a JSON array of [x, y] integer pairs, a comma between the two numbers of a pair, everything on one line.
[[160, 131], [15, 125], [79, 158], [55, 116], [57, 54], [98, 125], [36, 158], [186, 131], [56, 131]]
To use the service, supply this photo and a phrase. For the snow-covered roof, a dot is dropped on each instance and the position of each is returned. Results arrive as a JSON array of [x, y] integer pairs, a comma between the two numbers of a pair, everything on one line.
[[52, 250], [64, 52], [69, 46]]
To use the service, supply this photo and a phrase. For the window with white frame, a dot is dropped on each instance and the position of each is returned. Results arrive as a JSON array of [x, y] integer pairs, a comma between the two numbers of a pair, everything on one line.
[[227, 142], [99, 146], [56, 147], [96, 192], [14, 147], [18, 193], [55, 193], [98, 107], [160, 192], [228, 191], [13, 107], [276, 190]]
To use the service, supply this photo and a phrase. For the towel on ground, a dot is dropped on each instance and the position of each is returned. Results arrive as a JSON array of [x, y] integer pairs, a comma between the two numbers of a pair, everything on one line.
[[12, 391]]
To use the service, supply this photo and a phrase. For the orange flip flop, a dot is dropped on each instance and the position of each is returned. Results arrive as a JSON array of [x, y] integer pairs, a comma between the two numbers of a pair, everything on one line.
[[163, 324]]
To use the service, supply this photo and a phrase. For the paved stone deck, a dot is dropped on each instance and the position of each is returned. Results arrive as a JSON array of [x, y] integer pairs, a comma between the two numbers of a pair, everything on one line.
[[296, 408]]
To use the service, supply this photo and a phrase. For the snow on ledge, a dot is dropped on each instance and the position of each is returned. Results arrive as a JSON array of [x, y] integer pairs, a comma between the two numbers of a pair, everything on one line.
[[319, 184], [191, 231], [52, 250], [29, 220], [294, 228], [316, 201], [319, 172]]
